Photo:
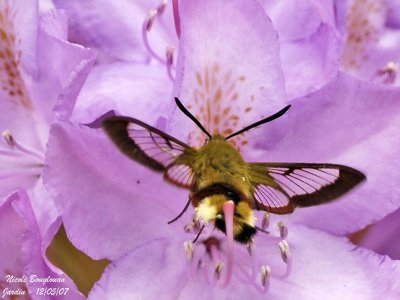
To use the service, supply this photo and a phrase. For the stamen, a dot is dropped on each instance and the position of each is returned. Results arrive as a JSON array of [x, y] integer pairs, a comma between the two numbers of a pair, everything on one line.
[[265, 221], [170, 61], [161, 7], [229, 208], [33, 172], [283, 231], [147, 25], [265, 275], [176, 17], [388, 72], [189, 227], [10, 140], [189, 249], [249, 247], [285, 252], [218, 269], [287, 258]]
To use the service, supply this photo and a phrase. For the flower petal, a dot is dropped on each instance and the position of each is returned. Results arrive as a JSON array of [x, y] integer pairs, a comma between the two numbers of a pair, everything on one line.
[[351, 123], [316, 273], [383, 236], [109, 204], [149, 272], [310, 63], [11, 228], [229, 87], [114, 29], [140, 91], [307, 21], [26, 252], [322, 263], [17, 57], [310, 43], [61, 80]]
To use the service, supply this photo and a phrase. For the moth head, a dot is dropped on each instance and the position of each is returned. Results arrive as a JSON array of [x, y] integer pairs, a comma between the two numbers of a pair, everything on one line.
[[211, 209]]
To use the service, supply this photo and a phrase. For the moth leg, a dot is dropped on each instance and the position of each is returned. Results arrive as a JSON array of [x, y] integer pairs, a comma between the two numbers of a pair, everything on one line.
[[181, 213]]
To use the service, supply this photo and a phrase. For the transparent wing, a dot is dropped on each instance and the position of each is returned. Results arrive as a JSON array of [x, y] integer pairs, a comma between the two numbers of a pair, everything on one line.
[[284, 186], [152, 148]]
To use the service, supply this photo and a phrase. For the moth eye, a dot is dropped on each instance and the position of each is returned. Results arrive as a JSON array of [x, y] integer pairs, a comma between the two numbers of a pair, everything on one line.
[[206, 141]]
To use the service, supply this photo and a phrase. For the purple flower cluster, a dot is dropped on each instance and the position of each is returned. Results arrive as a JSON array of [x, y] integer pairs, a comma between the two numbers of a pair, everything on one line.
[[65, 64]]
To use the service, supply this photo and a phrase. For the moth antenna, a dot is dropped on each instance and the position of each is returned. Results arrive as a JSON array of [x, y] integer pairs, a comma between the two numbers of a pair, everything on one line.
[[265, 120], [198, 235], [181, 213], [191, 117]]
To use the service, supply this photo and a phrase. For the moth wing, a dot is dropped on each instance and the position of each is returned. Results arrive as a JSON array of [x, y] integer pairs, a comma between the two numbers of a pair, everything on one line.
[[280, 187], [152, 148]]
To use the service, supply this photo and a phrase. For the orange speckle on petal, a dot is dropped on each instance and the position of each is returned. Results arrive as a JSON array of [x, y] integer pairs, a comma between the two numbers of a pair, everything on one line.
[[198, 78]]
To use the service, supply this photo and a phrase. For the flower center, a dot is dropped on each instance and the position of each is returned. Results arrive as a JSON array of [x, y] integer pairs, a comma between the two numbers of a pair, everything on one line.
[[11, 81], [215, 104], [219, 259]]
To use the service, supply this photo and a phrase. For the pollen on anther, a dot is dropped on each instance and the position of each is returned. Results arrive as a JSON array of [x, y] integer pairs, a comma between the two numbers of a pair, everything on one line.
[[8, 138], [218, 269], [265, 274], [265, 221], [283, 231], [189, 249], [189, 227], [285, 251]]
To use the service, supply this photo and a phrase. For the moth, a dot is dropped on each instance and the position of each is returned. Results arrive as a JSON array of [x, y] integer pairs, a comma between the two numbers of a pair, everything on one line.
[[216, 173]]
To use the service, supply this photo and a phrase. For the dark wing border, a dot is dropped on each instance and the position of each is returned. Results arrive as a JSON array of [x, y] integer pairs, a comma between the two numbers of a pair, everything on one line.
[[124, 138], [324, 190]]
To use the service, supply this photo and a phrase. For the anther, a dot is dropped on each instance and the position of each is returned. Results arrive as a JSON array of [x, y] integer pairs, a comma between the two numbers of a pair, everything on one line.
[[283, 231], [189, 249], [265, 274], [148, 23], [200, 264], [389, 72], [176, 17], [161, 7], [8, 138], [265, 221], [285, 252], [189, 227], [218, 269], [249, 247], [169, 54]]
